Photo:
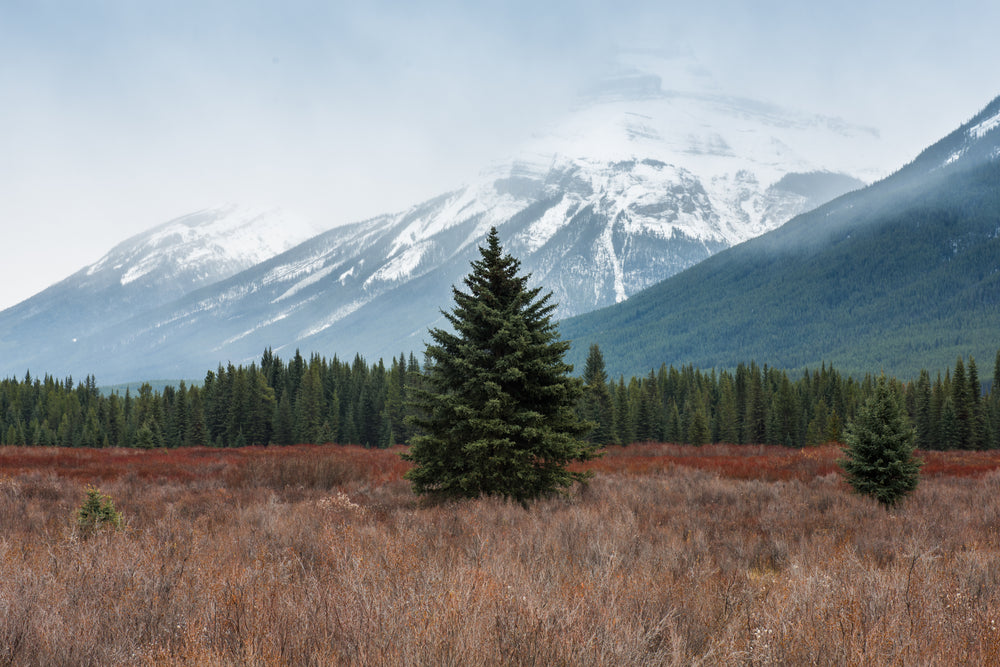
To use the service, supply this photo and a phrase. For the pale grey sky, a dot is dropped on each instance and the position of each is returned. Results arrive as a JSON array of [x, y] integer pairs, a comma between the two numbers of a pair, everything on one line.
[[117, 115]]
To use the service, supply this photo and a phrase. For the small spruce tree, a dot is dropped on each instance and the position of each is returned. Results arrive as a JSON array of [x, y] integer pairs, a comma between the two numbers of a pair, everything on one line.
[[879, 455], [97, 511], [497, 412]]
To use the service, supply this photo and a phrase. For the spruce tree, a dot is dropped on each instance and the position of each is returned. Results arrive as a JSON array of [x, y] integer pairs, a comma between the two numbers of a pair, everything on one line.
[[726, 421], [962, 402], [995, 403], [879, 459], [597, 406], [623, 427], [922, 412], [497, 414]]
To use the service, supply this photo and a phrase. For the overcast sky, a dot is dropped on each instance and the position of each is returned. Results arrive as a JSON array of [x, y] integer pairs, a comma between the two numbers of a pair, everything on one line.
[[119, 115]]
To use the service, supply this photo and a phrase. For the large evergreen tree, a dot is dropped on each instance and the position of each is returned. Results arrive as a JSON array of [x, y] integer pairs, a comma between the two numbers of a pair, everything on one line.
[[497, 414], [879, 459]]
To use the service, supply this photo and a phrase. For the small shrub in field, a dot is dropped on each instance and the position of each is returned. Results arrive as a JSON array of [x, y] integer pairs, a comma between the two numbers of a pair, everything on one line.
[[97, 511]]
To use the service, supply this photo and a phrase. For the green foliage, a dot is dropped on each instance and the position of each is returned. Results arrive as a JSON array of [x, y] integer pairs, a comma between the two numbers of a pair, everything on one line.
[[596, 405], [354, 403], [498, 412], [879, 457], [96, 512]]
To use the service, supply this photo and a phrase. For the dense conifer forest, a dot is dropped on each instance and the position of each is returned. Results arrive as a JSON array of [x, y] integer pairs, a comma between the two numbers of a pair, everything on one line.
[[320, 400]]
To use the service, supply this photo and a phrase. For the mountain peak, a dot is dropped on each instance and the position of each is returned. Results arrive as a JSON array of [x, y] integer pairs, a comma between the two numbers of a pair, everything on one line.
[[624, 192], [204, 246]]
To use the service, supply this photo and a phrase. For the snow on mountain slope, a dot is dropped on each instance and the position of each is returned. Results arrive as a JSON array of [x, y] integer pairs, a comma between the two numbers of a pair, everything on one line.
[[657, 163], [652, 172], [203, 247], [140, 274], [971, 137]]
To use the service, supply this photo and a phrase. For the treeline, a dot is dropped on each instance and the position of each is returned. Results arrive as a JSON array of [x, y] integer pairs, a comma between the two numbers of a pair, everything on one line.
[[329, 400], [301, 401], [762, 405]]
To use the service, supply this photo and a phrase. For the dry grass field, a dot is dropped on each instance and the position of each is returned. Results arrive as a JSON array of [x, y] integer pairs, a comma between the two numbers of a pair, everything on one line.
[[322, 556]]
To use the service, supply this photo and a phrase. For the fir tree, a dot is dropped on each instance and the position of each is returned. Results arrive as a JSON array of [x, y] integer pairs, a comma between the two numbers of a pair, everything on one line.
[[623, 428], [96, 511], [498, 412], [309, 408], [698, 432], [962, 402], [879, 459], [597, 406], [978, 420], [816, 430], [995, 404], [727, 421], [922, 412]]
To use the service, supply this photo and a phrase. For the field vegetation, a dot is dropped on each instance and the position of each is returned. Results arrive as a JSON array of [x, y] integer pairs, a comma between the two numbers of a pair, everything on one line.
[[672, 554]]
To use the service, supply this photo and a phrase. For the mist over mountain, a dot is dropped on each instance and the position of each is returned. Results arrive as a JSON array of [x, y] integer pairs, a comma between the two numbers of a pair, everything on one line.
[[902, 275], [653, 172]]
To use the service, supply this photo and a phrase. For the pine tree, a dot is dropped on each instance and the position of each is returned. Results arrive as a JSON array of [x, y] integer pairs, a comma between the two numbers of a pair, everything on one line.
[[498, 413], [283, 420], [755, 423], [879, 459], [623, 427], [309, 408], [196, 435], [816, 430], [698, 431], [784, 426], [962, 402], [597, 406], [978, 420], [727, 421], [995, 403], [922, 412]]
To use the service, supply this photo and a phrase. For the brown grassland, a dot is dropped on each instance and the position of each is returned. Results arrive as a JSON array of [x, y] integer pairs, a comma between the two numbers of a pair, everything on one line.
[[323, 556]]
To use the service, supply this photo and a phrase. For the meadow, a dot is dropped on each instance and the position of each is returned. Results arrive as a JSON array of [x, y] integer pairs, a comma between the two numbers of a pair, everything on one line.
[[671, 555]]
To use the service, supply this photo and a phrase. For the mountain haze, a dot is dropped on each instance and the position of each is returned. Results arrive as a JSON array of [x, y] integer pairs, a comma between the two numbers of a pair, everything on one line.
[[902, 275], [652, 173]]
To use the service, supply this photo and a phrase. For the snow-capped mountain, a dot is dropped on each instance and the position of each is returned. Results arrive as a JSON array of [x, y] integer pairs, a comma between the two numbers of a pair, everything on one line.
[[900, 276], [639, 182], [198, 249], [142, 273]]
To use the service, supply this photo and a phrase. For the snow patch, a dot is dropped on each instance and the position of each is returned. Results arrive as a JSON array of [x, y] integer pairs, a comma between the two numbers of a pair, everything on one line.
[[543, 229], [611, 257], [954, 157], [979, 130], [207, 245], [400, 266], [138, 271], [333, 317], [228, 341], [309, 280]]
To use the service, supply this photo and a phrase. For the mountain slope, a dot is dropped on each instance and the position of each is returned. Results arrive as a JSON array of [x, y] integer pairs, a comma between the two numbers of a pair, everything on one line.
[[374, 288], [640, 181], [902, 275], [139, 274]]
